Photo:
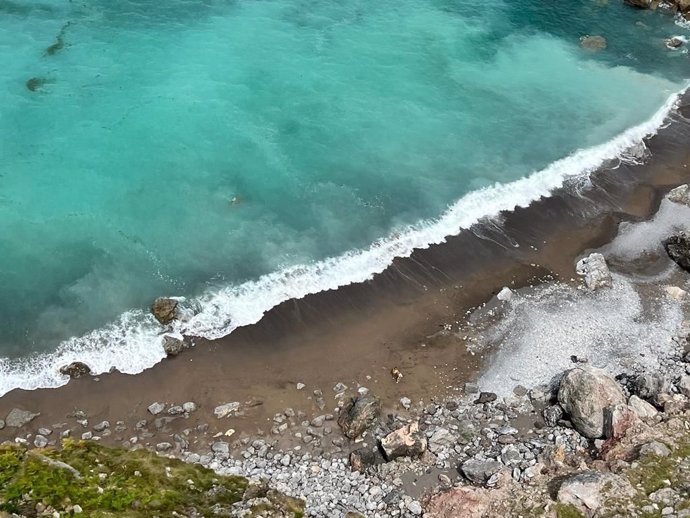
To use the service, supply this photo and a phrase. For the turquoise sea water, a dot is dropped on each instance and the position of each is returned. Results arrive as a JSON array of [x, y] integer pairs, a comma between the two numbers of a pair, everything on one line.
[[242, 152]]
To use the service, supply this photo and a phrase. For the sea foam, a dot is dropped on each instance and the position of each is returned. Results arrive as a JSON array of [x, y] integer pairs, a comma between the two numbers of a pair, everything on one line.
[[133, 342]]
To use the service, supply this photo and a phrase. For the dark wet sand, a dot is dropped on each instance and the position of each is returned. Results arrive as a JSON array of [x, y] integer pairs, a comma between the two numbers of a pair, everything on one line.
[[357, 333]]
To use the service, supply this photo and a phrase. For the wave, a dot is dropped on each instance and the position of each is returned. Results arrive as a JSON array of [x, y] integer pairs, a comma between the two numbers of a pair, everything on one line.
[[133, 343]]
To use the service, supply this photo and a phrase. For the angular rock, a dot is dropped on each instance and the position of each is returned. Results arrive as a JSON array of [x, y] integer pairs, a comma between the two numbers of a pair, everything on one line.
[[156, 408], [643, 409], [18, 418], [479, 471], [364, 458], [101, 426], [40, 441], [407, 441], [680, 194], [75, 370], [651, 387], [584, 393], [589, 490], [505, 294], [189, 407], [595, 271], [552, 414], [678, 248], [226, 409], [655, 448], [358, 414], [617, 420], [485, 397], [674, 43], [173, 346], [684, 385], [164, 309], [441, 438]]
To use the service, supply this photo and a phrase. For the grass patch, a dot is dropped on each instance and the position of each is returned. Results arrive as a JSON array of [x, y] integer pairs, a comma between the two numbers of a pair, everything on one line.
[[568, 511]]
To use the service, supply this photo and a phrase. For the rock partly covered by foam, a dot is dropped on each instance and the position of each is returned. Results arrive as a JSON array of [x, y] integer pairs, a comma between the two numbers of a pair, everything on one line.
[[164, 309], [680, 194], [358, 414], [595, 271], [584, 393], [678, 248], [407, 441], [173, 346], [588, 491], [75, 370]]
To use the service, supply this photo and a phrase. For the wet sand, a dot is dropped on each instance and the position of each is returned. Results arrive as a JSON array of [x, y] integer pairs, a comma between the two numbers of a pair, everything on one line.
[[357, 333]]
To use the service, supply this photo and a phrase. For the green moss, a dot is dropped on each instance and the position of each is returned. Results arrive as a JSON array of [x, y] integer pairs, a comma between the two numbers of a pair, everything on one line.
[[110, 481], [568, 511]]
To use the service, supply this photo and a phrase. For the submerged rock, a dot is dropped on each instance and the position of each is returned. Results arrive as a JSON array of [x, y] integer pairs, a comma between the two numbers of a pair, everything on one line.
[[75, 370], [358, 415], [407, 441], [585, 392], [589, 490], [595, 271], [678, 248], [164, 309], [593, 42]]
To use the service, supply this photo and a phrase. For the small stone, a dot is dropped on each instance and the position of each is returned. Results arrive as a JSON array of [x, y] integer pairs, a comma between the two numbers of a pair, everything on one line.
[[505, 294], [101, 426], [471, 388], [76, 509], [45, 431], [173, 346], [339, 387], [300, 386], [189, 407], [414, 507], [595, 271], [221, 447], [163, 446], [485, 397], [75, 370], [40, 441], [405, 402], [226, 409], [655, 448], [86, 436], [175, 410], [2, 424], [552, 414], [156, 408]]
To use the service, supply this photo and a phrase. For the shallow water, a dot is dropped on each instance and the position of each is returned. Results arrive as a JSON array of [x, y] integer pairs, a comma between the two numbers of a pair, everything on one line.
[[225, 150]]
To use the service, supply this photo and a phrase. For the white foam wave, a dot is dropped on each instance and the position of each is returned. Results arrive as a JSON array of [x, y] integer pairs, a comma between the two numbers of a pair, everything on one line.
[[133, 343]]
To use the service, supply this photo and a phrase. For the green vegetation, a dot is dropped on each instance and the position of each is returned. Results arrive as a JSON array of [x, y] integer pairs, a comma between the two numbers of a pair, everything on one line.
[[106, 482], [568, 511]]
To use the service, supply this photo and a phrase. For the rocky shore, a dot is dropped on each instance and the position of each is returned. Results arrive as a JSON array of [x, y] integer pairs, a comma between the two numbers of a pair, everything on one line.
[[587, 441]]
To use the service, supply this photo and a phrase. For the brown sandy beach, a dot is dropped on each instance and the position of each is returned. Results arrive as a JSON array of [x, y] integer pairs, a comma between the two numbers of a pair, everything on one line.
[[356, 334]]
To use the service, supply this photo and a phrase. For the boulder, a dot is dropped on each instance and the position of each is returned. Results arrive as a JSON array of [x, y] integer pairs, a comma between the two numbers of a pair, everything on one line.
[[75, 370], [164, 309], [364, 458], [479, 471], [595, 271], [593, 42], [407, 441], [655, 448], [643, 409], [617, 420], [587, 491], [678, 248], [173, 346], [684, 385], [651, 387], [485, 397], [358, 414], [18, 418], [584, 393]]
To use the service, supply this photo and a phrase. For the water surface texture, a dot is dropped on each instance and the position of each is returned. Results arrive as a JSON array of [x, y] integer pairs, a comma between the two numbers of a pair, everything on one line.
[[242, 152]]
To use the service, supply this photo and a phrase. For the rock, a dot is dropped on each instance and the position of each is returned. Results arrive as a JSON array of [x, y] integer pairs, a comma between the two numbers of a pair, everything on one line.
[[339, 387], [40, 441], [678, 248], [75, 370], [684, 385], [101, 426], [593, 42], [175, 410], [460, 502], [485, 397], [77, 509], [173, 346], [226, 409], [552, 414], [680, 194], [189, 407], [617, 420], [595, 271], [358, 414], [651, 387], [364, 458], [222, 448], [407, 441], [18, 418], [674, 43], [480, 471], [655, 448], [164, 446], [471, 388], [164, 309], [2, 424], [675, 292], [440, 439], [300, 386], [414, 507], [584, 393], [156, 408], [587, 491], [505, 294], [643, 409], [87, 436], [642, 4]]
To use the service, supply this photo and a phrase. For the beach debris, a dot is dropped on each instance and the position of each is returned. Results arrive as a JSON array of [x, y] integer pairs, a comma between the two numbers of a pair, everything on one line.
[[678, 248], [173, 346], [584, 393], [407, 441], [675, 292], [595, 42], [406, 402], [595, 271], [75, 370], [680, 194], [35, 83], [397, 375], [18, 418], [485, 397], [156, 408], [589, 490], [358, 414], [226, 409], [164, 309], [505, 294]]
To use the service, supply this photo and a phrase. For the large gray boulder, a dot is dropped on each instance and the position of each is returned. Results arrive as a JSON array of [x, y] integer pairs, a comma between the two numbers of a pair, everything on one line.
[[678, 248], [358, 415], [584, 393], [18, 418], [589, 490], [595, 271], [407, 441]]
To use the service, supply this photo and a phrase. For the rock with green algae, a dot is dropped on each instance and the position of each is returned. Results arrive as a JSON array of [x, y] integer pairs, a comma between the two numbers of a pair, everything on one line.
[[108, 482]]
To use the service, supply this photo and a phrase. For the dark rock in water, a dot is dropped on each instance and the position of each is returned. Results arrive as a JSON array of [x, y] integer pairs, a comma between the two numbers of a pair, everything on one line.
[[485, 397], [364, 458], [673, 43], [407, 441], [59, 41], [358, 415], [642, 4], [35, 83], [678, 248], [164, 309], [593, 42], [75, 370], [173, 346], [552, 414]]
